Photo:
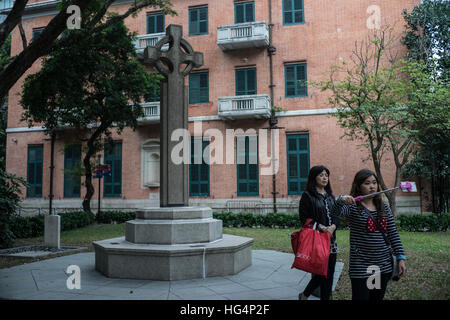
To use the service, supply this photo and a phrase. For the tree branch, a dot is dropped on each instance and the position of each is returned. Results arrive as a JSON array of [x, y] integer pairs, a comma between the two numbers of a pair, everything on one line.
[[23, 36], [13, 18]]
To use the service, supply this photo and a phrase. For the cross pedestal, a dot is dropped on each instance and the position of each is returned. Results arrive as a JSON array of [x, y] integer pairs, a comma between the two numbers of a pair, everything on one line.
[[173, 241]]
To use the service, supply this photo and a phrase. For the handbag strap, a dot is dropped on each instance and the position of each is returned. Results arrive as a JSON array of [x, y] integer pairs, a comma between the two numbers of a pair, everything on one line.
[[386, 239]]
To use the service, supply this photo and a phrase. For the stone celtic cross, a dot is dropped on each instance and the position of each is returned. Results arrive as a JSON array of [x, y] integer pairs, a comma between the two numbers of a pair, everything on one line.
[[173, 109]]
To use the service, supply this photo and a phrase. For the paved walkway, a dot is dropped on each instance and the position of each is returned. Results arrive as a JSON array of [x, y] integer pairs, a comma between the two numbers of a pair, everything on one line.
[[270, 277]]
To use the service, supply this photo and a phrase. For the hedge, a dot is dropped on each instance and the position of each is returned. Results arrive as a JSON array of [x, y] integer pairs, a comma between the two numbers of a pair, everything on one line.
[[420, 222], [30, 227], [270, 220], [114, 216]]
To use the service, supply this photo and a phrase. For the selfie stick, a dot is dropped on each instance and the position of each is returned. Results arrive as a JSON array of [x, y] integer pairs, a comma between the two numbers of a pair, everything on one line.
[[408, 186]]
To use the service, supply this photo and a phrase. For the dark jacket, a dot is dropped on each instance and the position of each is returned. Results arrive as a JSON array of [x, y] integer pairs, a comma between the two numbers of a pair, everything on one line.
[[313, 206]]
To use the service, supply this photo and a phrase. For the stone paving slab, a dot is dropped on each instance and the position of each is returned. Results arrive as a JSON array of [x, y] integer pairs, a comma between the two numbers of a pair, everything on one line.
[[270, 277]]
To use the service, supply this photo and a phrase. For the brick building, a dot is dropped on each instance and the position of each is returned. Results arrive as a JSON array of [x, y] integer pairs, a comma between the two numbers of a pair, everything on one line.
[[255, 55]]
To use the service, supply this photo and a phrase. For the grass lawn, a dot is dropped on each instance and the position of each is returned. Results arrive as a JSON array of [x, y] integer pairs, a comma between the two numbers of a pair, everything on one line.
[[428, 257]]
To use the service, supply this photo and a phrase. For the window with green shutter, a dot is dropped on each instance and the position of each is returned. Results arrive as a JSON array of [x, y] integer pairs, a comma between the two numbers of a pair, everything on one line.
[[199, 87], [35, 159], [244, 12], [198, 21], [198, 169], [293, 12], [154, 94], [112, 185], [245, 81], [295, 80], [297, 146], [36, 33], [247, 166], [72, 181], [155, 23]]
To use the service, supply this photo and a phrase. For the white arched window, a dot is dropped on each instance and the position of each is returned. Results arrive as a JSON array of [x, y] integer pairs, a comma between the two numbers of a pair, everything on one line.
[[150, 163]]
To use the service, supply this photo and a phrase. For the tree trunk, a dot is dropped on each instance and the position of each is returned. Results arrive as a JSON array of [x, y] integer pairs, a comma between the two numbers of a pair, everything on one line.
[[87, 166]]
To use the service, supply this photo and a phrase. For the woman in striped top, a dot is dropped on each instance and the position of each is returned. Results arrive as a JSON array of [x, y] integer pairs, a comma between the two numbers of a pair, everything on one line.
[[368, 249]]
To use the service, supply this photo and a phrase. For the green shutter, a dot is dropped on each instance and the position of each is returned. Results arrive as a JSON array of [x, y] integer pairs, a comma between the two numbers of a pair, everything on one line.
[[35, 159], [247, 166], [198, 169], [245, 81], [293, 12], [244, 12], [297, 163], [112, 185], [72, 160], [295, 80], [198, 21], [199, 88], [155, 23]]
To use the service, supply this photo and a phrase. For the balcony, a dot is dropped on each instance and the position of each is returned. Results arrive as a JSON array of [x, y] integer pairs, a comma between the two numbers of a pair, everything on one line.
[[245, 107], [151, 113], [243, 35], [146, 40]]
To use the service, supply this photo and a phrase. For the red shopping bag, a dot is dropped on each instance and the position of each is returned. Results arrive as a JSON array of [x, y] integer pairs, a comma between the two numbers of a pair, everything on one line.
[[311, 249]]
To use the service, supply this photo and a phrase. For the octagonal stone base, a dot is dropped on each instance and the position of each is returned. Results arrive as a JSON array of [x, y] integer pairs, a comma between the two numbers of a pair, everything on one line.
[[118, 258]]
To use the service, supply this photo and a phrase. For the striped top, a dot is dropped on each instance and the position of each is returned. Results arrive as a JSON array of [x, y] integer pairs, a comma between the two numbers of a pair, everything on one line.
[[368, 248]]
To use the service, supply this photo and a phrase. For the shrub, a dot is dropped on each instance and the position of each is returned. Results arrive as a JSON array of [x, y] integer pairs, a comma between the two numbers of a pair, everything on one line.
[[30, 227], [419, 222], [271, 220], [114, 216], [10, 191]]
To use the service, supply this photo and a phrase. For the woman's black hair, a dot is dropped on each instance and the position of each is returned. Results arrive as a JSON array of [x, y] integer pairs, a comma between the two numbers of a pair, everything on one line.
[[359, 179], [313, 173]]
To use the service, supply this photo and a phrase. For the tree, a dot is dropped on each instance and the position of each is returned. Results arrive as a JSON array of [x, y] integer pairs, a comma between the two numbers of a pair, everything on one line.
[[371, 101], [427, 35], [93, 14], [4, 59], [428, 42], [101, 88]]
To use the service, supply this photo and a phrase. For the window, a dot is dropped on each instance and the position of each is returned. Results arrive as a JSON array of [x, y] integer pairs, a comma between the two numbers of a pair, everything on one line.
[[198, 169], [34, 171], [154, 94], [295, 80], [199, 87], [293, 12], [72, 181], [155, 23], [112, 185], [245, 81], [244, 12], [247, 166], [36, 33], [198, 21], [297, 146]]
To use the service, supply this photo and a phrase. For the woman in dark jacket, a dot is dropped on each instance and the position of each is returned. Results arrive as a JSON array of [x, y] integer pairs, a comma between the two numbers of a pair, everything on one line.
[[316, 203]]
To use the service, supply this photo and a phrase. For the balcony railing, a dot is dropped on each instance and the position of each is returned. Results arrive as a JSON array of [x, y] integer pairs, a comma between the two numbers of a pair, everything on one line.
[[151, 113], [245, 107], [146, 40], [243, 35], [6, 4]]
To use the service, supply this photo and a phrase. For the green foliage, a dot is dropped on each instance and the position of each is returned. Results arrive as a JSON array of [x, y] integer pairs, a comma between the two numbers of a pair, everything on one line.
[[10, 191], [427, 35], [30, 227], [419, 222], [270, 220], [114, 216]]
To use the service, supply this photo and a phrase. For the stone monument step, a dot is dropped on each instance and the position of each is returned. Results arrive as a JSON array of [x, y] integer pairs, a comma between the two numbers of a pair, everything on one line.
[[118, 258], [173, 231], [174, 213]]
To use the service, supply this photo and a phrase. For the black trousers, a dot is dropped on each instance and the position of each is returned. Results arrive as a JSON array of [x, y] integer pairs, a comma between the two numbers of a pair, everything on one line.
[[360, 290], [325, 283]]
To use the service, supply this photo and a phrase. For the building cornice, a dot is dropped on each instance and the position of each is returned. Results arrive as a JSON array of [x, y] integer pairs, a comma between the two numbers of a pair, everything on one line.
[[292, 113], [46, 8]]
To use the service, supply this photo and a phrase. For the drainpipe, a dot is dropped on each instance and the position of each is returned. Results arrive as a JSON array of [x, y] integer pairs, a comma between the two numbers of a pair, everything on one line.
[[273, 120]]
